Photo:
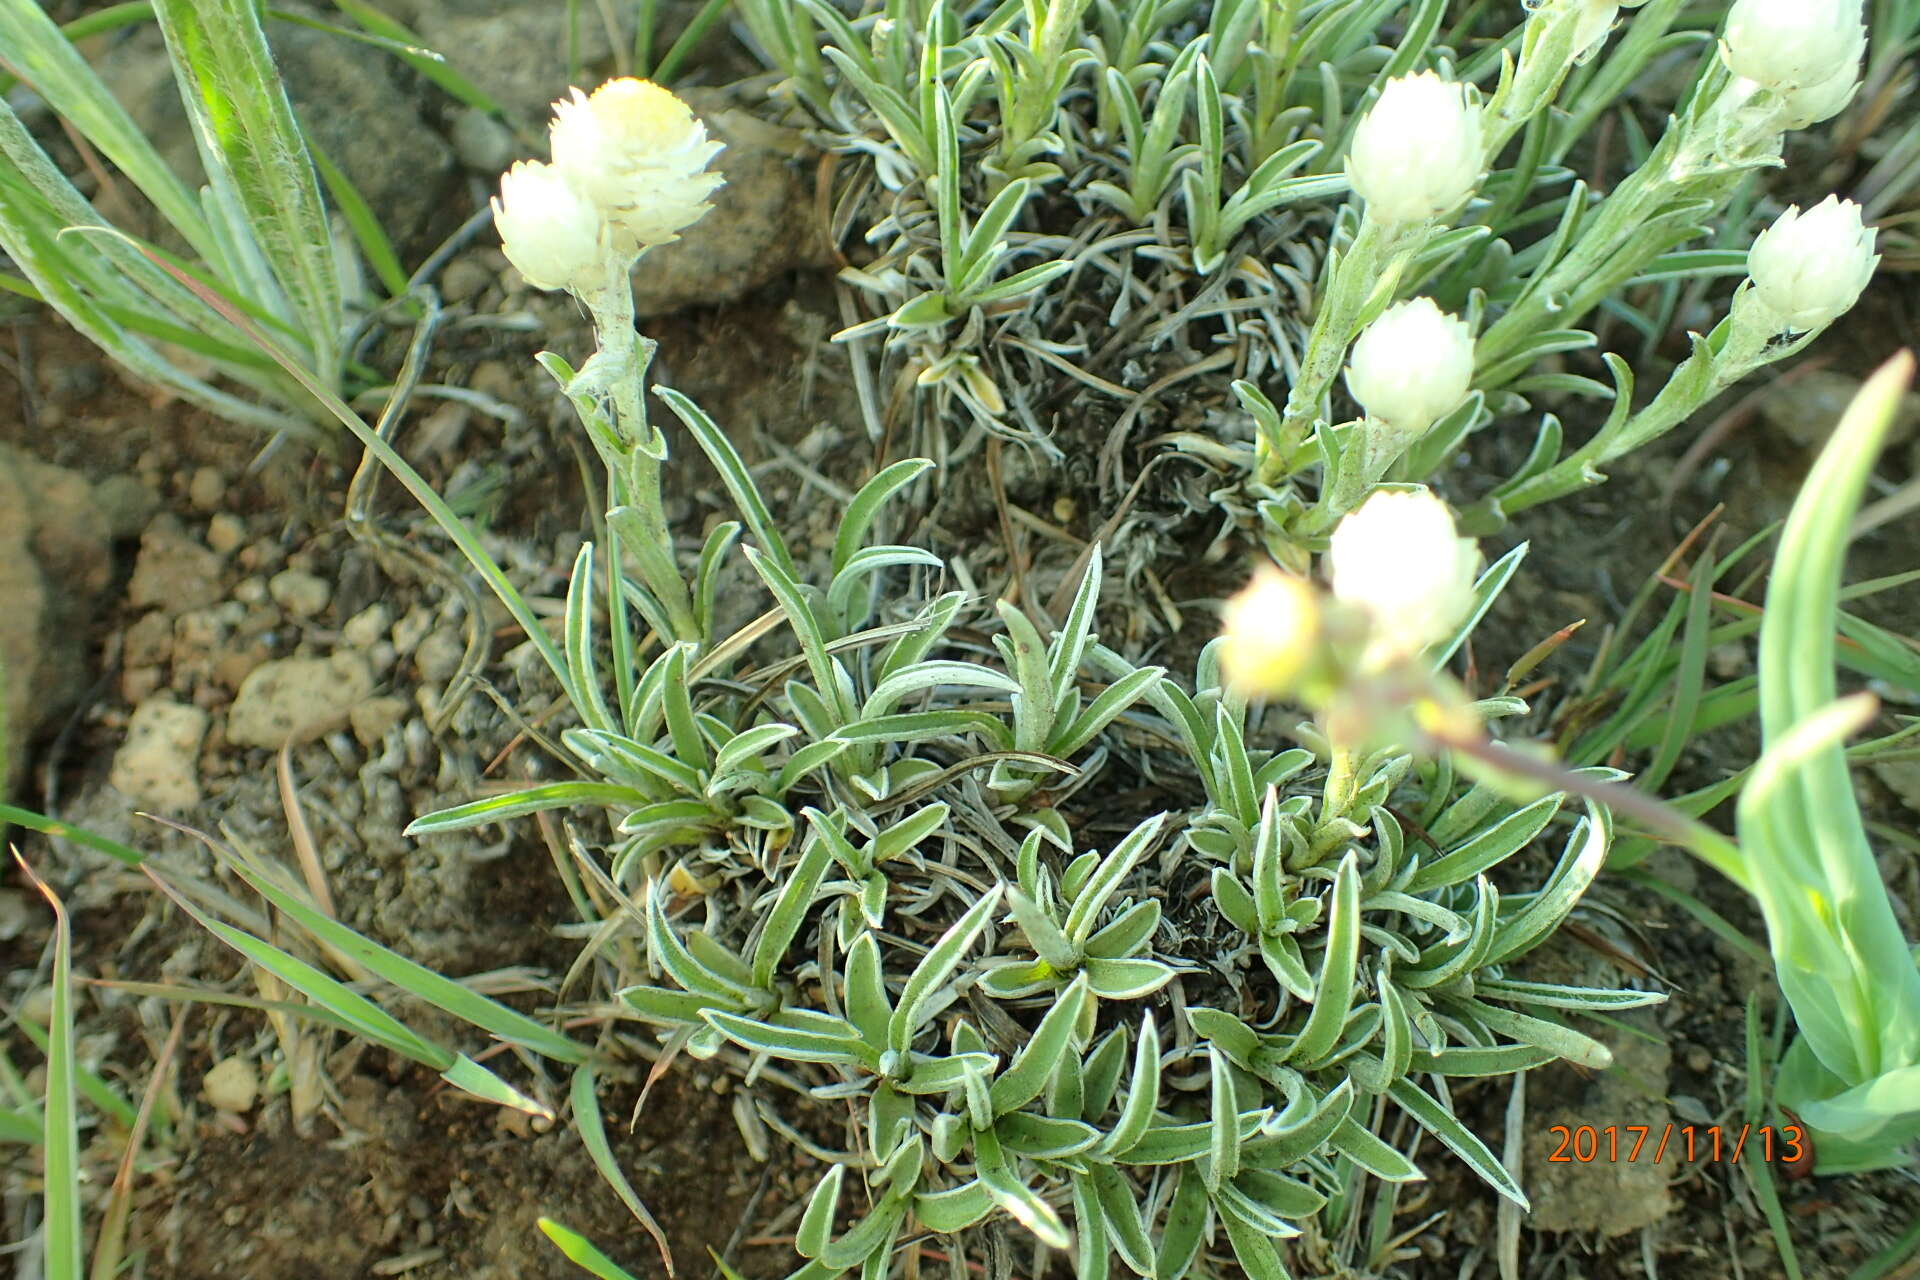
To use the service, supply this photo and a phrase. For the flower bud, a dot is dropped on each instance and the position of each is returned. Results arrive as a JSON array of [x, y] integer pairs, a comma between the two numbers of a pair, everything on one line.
[[552, 234], [1417, 153], [1271, 630], [640, 154], [1399, 559], [1791, 44], [1809, 268], [1412, 366]]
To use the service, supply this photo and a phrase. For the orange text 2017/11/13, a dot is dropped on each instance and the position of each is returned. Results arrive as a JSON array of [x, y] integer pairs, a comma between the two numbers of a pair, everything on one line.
[[1785, 1144]]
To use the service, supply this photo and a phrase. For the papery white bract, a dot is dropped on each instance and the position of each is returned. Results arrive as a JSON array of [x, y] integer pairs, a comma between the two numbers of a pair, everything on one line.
[[1809, 268], [1785, 45], [1820, 101], [640, 154], [1269, 633], [1418, 153], [1412, 366], [555, 236], [1400, 559]]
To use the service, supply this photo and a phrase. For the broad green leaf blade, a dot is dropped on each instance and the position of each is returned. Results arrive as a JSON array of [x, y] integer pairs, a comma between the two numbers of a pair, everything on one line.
[[251, 144]]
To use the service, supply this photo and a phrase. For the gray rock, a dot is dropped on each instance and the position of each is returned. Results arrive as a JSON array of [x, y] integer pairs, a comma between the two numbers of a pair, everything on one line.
[[173, 572], [514, 49], [158, 766], [54, 565], [295, 699]]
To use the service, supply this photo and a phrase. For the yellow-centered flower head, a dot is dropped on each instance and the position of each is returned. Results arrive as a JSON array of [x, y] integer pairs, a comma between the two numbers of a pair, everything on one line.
[[640, 154]]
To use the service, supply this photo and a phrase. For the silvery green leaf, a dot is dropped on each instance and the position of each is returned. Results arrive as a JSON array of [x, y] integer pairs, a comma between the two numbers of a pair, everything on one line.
[[1223, 1148], [1126, 933], [1282, 767], [734, 473], [1070, 645], [983, 246], [689, 744], [678, 817], [1100, 1073], [1334, 989], [763, 814], [869, 1236], [954, 1209], [1252, 1245], [1088, 902], [1235, 902], [591, 702], [1143, 1092], [1164, 1144], [1038, 1137], [669, 1007], [1555, 996], [797, 893], [1562, 1041], [805, 623], [890, 1116], [1423, 910], [1359, 1144], [815, 1231], [1585, 854], [1015, 1197], [1126, 979], [1126, 1224], [1480, 1060], [1092, 1252], [1235, 769], [793, 1044], [680, 963], [1026, 657], [867, 504], [1104, 710], [1290, 1141], [1019, 979], [866, 991], [933, 675], [749, 745], [1235, 1038], [1044, 1052], [857, 575], [1280, 952], [1489, 847], [1440, 963], [907, 834], [1043, 935], [929, 627], [518, 804], [1444, 1125], [924, 726], [1183, 1228], [931, 1075], [633, 763], [804, 762], [936, 968]]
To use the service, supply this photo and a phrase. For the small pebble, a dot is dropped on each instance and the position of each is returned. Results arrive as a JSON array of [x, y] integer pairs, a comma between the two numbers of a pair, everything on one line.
[[225, 533], [1699, 1060], [207, 489], [367, 627], [301, 594], [439, 655], [232, 1085]]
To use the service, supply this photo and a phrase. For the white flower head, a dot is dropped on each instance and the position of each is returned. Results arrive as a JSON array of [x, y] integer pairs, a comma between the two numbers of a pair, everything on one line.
[[640, 154], [1822, 100], [1269, 633], [1786, 45], [555, 236], [1418, 153], [1412, 366], [1399, 559], [1809, 268]]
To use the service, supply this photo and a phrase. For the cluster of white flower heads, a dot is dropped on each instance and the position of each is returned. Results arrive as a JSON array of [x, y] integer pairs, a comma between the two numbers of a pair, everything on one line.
[[629, 172], [1810, 268]]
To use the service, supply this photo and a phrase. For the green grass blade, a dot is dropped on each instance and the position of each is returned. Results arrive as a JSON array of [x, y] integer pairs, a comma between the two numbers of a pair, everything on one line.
[[581, 1252], [249, 139], [586, 1120]]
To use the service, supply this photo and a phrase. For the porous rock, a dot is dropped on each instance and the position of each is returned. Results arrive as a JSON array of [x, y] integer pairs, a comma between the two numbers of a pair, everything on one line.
[[158, 766], [294, 699]]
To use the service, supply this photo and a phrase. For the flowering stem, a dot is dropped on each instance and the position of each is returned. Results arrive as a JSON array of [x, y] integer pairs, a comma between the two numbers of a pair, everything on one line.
[[620, 366], [1370, 267]]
